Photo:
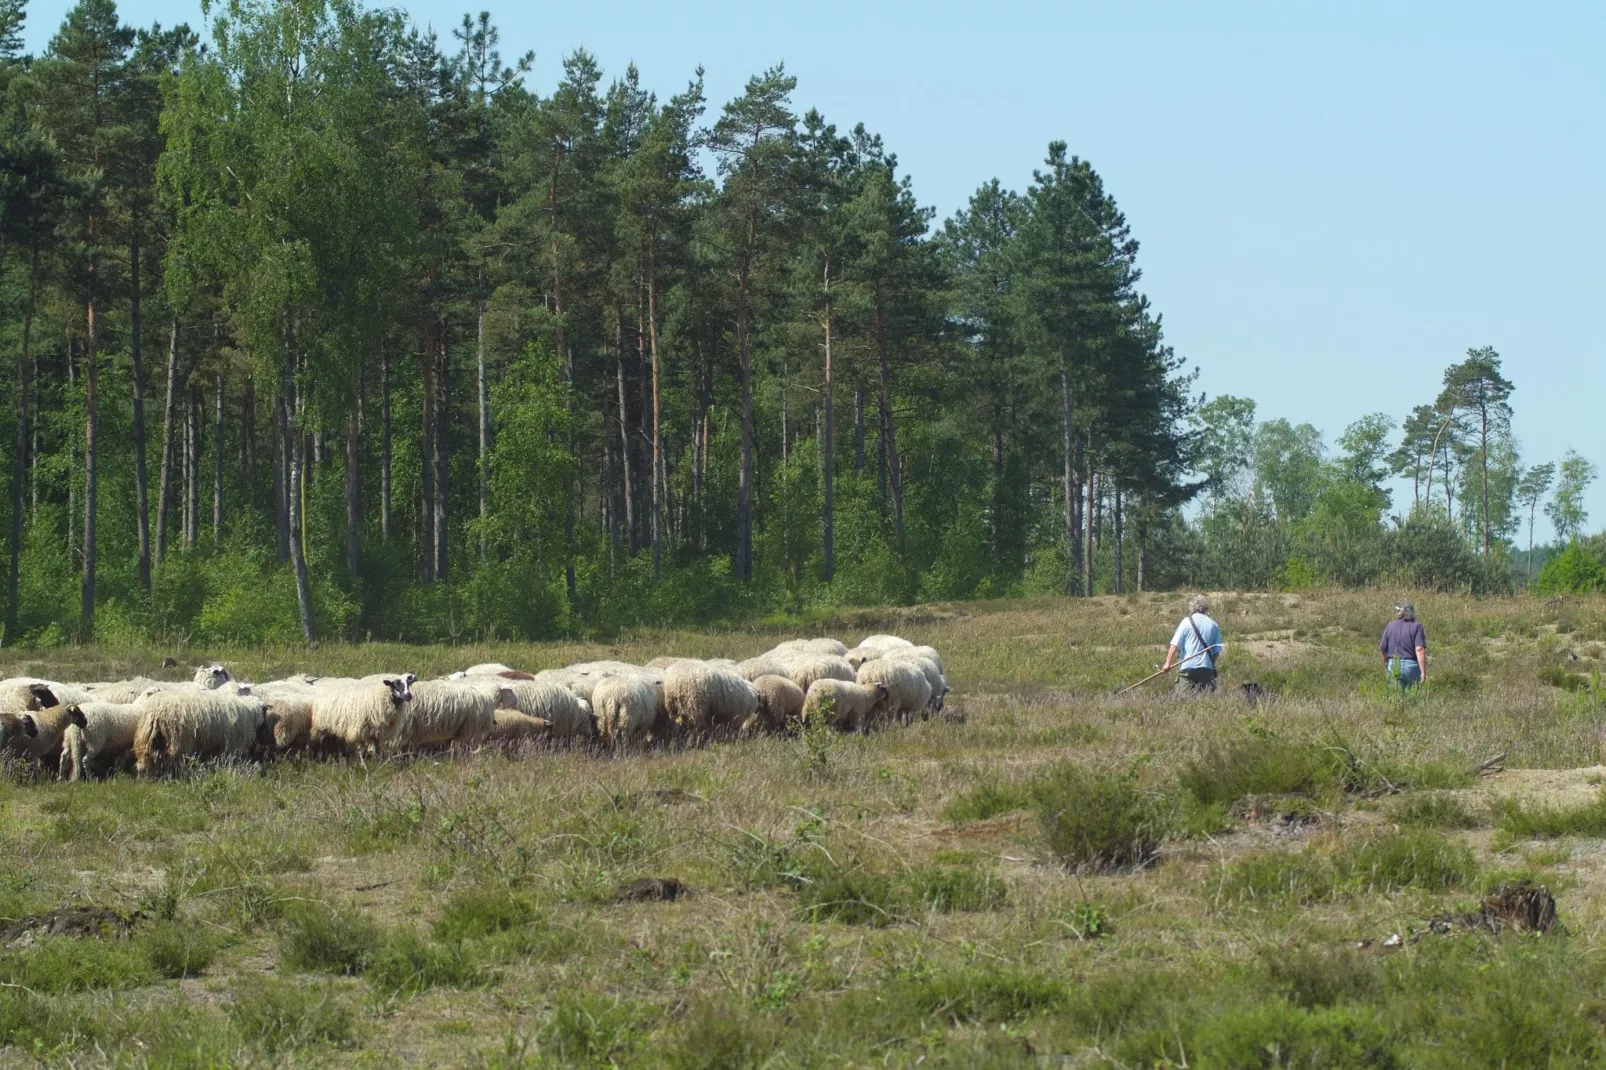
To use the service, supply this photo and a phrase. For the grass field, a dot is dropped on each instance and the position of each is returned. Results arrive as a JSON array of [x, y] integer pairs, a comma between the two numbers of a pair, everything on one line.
[[1049, 877]]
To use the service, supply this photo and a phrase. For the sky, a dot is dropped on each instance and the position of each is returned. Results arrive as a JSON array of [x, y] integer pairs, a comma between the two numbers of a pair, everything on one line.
[[1335, 201]]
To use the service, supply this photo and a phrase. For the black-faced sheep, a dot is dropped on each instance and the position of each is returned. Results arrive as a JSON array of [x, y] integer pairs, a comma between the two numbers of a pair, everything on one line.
[[844, 706], [360, 719], [174, 725], [212, 677], [105, 739], [908, 691], [22, 693], [780, 702], [704, 698]]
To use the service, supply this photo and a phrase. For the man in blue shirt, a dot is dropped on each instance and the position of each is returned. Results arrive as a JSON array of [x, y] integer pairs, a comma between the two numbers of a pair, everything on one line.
[[1198, 640]]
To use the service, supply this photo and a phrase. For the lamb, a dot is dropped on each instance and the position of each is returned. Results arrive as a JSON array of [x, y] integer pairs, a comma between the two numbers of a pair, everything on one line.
[[908, 691], [803, 670], [846, 707], [174, 725], [212, 677], [105, 738], [780, 702], [548, 700], [705, 697], [292, 704], [810, 646], [511, 726], [454, 711], [359, 719], [626, 707]]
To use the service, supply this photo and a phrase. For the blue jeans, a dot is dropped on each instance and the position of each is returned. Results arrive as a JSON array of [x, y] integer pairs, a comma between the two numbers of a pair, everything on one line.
[[1407, 674]]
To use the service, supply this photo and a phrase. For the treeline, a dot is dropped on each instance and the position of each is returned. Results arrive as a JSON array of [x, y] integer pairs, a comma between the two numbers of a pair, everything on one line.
[[327, 328], [1281, 510]]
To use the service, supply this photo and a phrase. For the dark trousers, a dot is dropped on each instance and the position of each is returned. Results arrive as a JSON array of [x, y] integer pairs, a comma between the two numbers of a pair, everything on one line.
[[1195, 682]]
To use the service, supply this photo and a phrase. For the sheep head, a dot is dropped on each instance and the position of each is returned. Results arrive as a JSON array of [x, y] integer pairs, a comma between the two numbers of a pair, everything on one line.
[[212, 677], [401, 689], [881, 696], [40, 697], [29, 726], [75, 715]]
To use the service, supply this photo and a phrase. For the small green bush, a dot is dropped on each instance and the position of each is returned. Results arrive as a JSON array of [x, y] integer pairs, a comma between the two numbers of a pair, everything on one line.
[[1414, 858], [984, 995], [67, 964], [1434, 811], [1274, 1034], [716, 1036], [1277, 877], [850, 894], [408, 964], [1573, 571], [318, 937], [586, 1029], [986, 801], [282, 1016], [1516, 820], [954, 889], [31, 1021], [1256, 765], [483, 910], [177, 949], [1323, 976], [1098, 818]]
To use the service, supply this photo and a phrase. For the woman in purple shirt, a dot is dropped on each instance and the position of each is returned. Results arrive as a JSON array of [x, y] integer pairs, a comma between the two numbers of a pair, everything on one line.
[[1404, 647]]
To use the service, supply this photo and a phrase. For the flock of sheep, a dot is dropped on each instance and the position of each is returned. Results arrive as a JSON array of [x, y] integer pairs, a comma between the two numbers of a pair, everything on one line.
[[94, 729]]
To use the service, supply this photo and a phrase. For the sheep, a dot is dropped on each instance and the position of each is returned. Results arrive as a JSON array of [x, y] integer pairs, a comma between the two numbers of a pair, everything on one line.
[[908, 691], [122, 692], [803, 670], [882, 642], [195, 724], [105, 738], [706, 697], [933, 671], [780, 702], [24, 693], [454, 711], [846, 707], [548, 700], [292, 704], [626, 707], [212, 677], [810, 646], [492, 668], [666, 661], [927, 652], [771, 664], [359, 719], [36, 736], [510, 726]]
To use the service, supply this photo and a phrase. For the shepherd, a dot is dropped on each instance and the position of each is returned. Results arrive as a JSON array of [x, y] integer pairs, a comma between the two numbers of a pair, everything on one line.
[[1198, 640], [1404, 647]]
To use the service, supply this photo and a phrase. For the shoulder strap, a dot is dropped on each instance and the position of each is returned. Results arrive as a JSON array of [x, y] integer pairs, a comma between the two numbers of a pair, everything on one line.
[[1204, 647]]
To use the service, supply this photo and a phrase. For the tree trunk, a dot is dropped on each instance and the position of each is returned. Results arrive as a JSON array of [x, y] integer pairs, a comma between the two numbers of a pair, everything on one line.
[[1072, 571], [658, 487], [1088, 508], [384, 446], [248, 435], [91, 474], [484, 427], [995, 533], [295, 489], [888, 432], [858, 429], [353, 499], [73, 352], [1483, 464], [443, 462], [142, 497], [217, 468], [828, 449], [744, 485], [19, 461], [281, 477], [1119, 535], [624, 433], [192, 468], [426, 452]]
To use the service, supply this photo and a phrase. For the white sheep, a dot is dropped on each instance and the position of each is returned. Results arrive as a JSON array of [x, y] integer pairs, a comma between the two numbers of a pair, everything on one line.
[[454, 711], [804, 669], [22, 693], [810, 646], [36, 735], [359, 719], [882, 642], [174, 725], [908, 691], [212, 677], [704, 698], [510, 726], [550, 701], [625, 707], [846, 707], [928, 665], [105, 738], [780, 702], [927, 652], [771, 664], [292, 703]]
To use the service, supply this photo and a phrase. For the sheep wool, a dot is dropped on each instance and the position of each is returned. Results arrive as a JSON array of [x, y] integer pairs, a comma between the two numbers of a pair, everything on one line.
[[927, 652], [490, 668], [212, 677], [122, 692], [771, 664], [510, 726], [174, 725], [846, 707], [454, 711], [804, 669], [545, 699], [706, 697], [883, 642], [106, 737], [810, 646], [361, 718], [22, 693], [625, 707], [780, 702], [908, 691]]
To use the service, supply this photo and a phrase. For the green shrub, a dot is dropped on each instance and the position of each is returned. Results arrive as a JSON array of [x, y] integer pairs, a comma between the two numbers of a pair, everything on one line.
[[318, 937], [408, 964], [1277, 877], [1573, 571], [1274, 1035], [31, 1021], [1098, 818], [718, 1036], [585, 1029], [1516, 820], [482, 910], [984, 995], [1319, 976], [281, 1016], [954, 889], [1257, 765], [1414, 858], [68, 964], [177, 948], [987, 800], [1434, 811], [850, 894]]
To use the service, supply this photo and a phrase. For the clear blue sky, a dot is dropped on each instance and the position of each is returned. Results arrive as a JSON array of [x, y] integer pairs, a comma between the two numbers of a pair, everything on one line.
[[1335, 200]]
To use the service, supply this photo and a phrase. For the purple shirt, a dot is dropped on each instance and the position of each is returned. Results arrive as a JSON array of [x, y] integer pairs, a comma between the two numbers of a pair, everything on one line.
[[1401, 638]]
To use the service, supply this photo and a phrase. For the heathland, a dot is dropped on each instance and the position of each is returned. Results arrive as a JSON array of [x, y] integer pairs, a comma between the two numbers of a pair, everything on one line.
[[1046, 875]]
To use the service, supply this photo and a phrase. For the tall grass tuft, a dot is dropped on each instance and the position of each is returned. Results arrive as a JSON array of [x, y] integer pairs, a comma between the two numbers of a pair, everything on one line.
[[1098, 818], [322, 938]]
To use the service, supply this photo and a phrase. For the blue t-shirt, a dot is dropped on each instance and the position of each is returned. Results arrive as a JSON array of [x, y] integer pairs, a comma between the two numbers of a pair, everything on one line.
[[1197, 655]]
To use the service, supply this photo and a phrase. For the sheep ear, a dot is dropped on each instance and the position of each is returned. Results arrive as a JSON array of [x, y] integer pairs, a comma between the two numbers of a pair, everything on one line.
[[75, 715], [29, 728]]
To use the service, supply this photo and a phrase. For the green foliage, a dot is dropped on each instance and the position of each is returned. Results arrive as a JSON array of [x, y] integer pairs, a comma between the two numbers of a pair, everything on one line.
[[177, 948], [1382, 864], [1517, 820], [315, 936], [988, 996], [1272, 1035], [987, 800], [589, 1030], [1257, 765], [407, 964], [67, 964], [284, 1016], [1573, 571], [1435, 811], [482, 910], [1098, 818]]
